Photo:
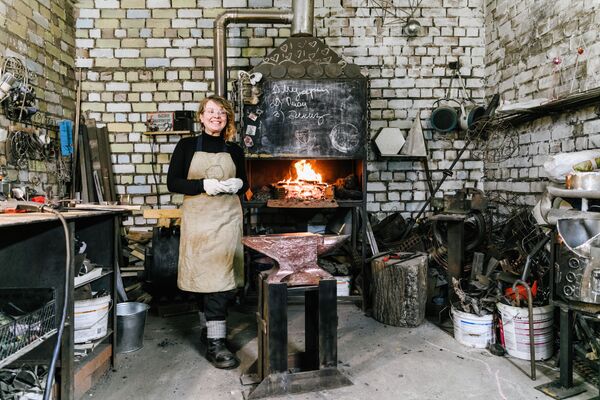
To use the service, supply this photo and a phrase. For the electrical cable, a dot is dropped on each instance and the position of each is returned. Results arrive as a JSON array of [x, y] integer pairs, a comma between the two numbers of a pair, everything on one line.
[[36, 207]]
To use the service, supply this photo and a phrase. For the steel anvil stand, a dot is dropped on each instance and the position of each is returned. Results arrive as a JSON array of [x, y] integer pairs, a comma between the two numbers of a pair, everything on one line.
[[278, 373]]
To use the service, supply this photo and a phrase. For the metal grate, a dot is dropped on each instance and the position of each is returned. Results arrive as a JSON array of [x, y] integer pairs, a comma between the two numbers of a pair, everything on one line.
[[30, 316]]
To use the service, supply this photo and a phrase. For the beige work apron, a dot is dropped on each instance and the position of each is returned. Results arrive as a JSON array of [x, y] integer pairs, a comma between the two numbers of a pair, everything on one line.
[[210, 249]]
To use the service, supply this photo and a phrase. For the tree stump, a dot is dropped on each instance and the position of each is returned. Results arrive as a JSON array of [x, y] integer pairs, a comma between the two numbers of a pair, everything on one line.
[[400, 290]]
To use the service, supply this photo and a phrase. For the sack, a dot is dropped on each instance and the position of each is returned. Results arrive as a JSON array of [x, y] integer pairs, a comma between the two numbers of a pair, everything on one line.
[[560, 165]]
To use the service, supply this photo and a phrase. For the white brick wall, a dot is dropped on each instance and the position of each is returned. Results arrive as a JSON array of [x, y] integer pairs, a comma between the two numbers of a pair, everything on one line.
[[522, 39], [171, 41]]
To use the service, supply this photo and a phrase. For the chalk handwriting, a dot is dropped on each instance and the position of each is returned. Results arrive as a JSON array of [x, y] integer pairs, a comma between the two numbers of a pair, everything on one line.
[[308, 92], [293, 114]]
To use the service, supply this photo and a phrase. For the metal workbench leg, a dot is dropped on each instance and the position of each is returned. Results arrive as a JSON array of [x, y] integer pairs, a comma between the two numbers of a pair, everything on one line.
[[328, 323], [311, 329], [564, 387], [566, 347], [277, 334], [456, 248]]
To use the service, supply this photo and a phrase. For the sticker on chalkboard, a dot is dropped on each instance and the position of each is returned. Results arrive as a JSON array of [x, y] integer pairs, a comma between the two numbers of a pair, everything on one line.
[[253, 116], [248, 141], [251, 130]]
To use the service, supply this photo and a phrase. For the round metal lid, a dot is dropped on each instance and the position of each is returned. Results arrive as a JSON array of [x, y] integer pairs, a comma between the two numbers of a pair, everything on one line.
[[264, 69], [296, 70], [315, 70], [333, 70], [278, 71], [352, 70]]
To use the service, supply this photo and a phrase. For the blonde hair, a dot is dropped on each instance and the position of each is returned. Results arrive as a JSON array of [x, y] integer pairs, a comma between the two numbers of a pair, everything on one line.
[[230, 129]]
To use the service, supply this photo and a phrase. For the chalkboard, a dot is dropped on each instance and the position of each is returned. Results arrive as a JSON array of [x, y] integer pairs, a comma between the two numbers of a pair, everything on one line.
[[307, 118]]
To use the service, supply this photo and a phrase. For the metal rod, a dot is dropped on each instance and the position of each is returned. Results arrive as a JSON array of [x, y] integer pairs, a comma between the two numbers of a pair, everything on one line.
[[531, 256], [220, 45], [75, 149], [530, 308], [447, 173]]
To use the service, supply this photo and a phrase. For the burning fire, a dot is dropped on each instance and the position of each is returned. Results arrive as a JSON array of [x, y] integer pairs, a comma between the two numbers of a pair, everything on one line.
[[304, 172], [308, 184]]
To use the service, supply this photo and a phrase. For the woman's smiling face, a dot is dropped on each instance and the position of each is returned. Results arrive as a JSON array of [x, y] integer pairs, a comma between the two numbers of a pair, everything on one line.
[[213, 118]]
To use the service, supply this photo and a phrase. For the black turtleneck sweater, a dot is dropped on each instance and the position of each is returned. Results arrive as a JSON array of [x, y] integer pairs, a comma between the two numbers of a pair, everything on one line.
[[181, 159]]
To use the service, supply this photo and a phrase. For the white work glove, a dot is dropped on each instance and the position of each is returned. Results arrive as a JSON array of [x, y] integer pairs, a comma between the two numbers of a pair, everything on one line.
[[213, 187], [233, 184]]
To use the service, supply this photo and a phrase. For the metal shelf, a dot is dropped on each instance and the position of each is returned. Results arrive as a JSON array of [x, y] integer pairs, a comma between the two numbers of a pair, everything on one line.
[[341, 203], [83, 361], [105, 272]]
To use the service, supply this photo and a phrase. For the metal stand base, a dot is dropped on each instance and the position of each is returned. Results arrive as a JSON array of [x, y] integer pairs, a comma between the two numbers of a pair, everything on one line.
[[298, 382], [555, 389], [275, 370]]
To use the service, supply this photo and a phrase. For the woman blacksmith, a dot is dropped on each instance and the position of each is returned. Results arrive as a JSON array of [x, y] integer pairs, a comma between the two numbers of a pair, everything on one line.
[[209, 170]]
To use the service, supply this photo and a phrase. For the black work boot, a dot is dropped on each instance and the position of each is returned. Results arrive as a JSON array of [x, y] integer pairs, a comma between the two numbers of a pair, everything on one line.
[[219, 355]]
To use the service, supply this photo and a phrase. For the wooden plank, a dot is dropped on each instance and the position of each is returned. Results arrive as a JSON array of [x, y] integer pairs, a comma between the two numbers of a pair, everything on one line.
[[168, 133], [157, 213], [91, 370]]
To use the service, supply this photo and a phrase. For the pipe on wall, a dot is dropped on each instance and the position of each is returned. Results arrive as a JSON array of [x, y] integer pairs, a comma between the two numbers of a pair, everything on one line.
[[220, 46], [301, 17]]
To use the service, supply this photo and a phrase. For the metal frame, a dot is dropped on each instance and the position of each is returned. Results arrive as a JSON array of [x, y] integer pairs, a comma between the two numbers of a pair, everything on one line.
[[316, 368], [565, 387], [32, 255]]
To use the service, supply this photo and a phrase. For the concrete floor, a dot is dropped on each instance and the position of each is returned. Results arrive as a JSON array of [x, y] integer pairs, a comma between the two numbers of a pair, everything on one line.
[[383, 362]]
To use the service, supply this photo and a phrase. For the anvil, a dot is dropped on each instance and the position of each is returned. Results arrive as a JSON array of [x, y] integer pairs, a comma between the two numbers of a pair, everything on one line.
[[296, 254]]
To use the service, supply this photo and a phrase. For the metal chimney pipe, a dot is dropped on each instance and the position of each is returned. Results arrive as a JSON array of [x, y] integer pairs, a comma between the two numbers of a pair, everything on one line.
[[220, 29], [304, 17]]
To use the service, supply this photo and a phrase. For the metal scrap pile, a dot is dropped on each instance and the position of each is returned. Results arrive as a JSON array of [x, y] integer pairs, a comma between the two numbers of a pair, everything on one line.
[[502, 243]]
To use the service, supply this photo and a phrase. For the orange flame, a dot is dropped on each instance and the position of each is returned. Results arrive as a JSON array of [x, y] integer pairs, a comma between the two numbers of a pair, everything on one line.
[[307, 184], [304, 172]]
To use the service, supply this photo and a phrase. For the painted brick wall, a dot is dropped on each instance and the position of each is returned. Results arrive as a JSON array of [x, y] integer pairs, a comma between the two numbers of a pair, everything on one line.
[[532, 53], [41, 33], [140, 56]]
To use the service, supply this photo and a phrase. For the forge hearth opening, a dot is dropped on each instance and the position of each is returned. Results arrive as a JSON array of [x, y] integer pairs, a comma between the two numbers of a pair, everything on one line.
[[305, 180]]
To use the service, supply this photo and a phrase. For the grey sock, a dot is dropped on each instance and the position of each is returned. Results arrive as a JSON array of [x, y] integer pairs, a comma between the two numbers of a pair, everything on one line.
[[216, 329]]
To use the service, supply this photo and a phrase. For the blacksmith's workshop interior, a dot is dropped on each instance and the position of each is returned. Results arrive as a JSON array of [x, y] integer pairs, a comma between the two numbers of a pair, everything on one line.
[[299, 199]]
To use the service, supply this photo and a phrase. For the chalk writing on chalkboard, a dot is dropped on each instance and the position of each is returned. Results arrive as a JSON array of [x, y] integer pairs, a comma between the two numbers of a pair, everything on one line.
[[308, 118]]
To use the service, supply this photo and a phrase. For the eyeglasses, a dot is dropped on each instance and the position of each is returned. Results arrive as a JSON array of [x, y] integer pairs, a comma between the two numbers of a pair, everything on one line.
[[220, 113]]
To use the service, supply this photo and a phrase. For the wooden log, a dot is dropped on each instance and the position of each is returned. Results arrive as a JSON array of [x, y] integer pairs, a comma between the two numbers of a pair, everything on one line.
[[400, 290]]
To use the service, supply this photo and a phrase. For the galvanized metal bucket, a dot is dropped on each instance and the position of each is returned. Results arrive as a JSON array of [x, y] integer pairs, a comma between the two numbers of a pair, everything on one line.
[[131, 318]]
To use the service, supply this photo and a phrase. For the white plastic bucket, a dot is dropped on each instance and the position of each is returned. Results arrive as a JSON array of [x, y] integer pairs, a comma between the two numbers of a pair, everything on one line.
[[515, 331], [91, 318], [473, 330], [343, 285]]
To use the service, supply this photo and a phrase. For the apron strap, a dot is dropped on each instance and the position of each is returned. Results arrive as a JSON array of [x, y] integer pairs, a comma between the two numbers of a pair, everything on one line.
[[199, 144]]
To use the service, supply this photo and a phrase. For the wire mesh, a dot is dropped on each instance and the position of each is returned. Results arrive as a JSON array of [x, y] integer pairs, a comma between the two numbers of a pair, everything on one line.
[[495, 140], [29, 315]]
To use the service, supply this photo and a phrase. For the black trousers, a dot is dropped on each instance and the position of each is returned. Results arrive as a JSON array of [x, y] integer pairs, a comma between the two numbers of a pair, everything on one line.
[[215, 304]]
